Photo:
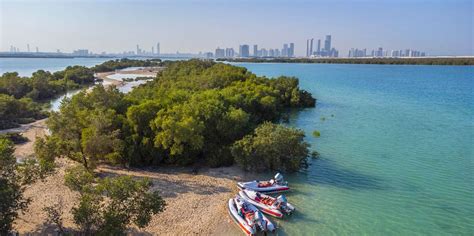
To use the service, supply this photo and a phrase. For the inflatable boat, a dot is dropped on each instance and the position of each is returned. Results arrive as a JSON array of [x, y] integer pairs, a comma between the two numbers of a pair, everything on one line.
[[274, 185], [248, 217], [276, 207]]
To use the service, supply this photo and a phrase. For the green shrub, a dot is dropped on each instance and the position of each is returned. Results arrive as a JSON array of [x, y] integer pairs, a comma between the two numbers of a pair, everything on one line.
[[316, 134], [272, 147]]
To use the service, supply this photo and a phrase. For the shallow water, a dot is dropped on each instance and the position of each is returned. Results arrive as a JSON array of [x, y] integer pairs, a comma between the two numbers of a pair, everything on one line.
[[396, 150]]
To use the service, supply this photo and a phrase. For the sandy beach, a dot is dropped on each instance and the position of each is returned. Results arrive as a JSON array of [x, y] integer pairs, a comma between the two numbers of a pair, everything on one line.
[[196, 203]]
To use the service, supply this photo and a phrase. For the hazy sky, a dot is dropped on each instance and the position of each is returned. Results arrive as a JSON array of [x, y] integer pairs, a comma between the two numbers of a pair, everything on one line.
[[437, 27]]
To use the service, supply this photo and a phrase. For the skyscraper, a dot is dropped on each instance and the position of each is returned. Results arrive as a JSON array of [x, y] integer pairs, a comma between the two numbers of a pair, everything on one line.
[[229, 52], [284, 51], [138, 50], [307, 47], [244, 50], [255, 50], [28, 47], [158, 48], [277, 52], [291, 51], [220, 53], [327, 43], [318, 51], [271, 52]]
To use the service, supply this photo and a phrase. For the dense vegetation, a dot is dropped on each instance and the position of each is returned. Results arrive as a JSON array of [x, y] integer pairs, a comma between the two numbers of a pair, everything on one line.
[[124, 63], [18, 111], [192, 112], [21, 97], [395, 61], [11, 188], [272, 147]]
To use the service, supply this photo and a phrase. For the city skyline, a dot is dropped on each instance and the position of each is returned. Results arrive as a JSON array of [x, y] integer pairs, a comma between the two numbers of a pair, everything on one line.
[[191, 27]]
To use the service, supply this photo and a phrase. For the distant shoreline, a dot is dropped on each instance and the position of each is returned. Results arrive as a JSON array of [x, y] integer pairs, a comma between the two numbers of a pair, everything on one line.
[[459, 61]]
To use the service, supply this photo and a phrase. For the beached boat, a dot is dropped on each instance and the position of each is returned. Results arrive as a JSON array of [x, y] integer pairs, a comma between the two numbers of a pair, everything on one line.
[[248, 217], [275, 185], [276, 207]]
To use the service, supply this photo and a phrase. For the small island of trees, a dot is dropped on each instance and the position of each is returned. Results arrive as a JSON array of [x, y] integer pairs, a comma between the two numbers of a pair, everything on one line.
[[193, 113]]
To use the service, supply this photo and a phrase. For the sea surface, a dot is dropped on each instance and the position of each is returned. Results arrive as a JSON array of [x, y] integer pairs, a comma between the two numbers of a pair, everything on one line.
[[26, 66], [396, 150], [396, 147]]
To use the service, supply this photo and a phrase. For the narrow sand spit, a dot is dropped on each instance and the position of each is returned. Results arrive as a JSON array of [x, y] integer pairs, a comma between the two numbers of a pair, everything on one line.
[[196, 202]]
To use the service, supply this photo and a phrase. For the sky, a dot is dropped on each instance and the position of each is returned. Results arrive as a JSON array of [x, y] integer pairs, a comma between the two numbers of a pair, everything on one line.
[[437, 27]]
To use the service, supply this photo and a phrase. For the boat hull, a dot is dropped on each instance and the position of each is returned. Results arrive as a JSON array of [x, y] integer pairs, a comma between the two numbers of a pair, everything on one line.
[[249, 196], [241, 222], [253, 185]]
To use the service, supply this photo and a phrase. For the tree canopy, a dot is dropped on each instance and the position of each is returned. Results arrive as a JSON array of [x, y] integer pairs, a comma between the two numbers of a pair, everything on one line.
[[272, 147], [192, 112], [11, 188]]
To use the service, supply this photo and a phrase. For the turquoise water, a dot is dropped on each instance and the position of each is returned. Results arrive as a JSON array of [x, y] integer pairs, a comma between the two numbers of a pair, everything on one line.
[[396, 150]]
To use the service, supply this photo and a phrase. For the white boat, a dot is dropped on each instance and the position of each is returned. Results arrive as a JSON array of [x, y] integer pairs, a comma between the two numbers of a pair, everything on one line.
[[274, 185], [276, 207], [248, 217]]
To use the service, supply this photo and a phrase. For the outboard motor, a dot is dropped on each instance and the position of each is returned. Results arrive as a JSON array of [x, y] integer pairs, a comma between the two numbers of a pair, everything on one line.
[[260, 222], [278, 178], [281, 204]]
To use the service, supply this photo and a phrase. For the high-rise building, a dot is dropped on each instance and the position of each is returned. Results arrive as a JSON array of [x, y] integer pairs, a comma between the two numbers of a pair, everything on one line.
[[158, 49], [309, 47], [229, 52], [284, 51], [318, 51], [28, 47], [271, 52], [277, 52], [244, 50], [291, 51], [81, 52], [37, 50], [327, 43], [220, 53], [255, 50], [138, 50], [379, 52]]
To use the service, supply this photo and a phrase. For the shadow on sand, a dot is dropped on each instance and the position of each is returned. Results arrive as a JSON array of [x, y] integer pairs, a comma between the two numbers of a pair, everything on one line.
[[170, 183]]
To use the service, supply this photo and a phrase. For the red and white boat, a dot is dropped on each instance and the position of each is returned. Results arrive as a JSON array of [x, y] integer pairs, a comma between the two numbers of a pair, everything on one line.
[[248, 217], [276, 207], [275, 185]]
